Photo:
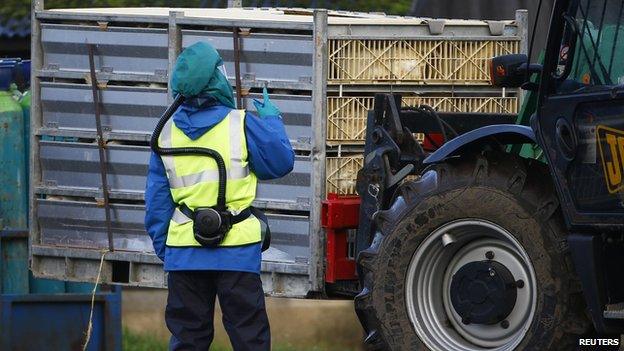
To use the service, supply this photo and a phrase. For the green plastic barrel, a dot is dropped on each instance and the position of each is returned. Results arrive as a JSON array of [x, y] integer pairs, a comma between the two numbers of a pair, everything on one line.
[[46, 286], [23, 68], [13, 196], [14, 262], [25, 103], [14, 189]]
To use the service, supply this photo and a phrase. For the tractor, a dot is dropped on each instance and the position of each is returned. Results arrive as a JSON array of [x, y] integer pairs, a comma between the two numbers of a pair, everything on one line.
[[505, 236]]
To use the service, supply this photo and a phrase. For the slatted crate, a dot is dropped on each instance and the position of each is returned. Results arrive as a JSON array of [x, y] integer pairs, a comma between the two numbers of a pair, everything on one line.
[[346, 116], [342, 173], [355, 61]]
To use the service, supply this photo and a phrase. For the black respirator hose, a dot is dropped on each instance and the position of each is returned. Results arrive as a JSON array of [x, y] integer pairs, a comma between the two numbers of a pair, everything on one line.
[[179, 99]]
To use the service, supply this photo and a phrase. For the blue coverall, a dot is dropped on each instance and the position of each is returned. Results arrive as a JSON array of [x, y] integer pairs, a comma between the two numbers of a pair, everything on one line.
[[198, 274]]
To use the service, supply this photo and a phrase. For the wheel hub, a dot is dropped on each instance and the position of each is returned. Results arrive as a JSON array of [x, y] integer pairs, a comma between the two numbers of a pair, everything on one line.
[[483, 292], [471, 268]]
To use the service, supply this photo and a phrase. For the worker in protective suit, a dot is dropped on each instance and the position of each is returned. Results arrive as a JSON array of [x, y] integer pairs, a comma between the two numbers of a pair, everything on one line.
[[253, 147]]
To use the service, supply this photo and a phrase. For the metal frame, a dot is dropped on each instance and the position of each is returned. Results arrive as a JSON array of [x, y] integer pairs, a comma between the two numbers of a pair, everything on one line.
[[423, 31], [145, 270], [522, 22], [319, 130], [283, 279], [175, 44], [430, 30], [36, 118]]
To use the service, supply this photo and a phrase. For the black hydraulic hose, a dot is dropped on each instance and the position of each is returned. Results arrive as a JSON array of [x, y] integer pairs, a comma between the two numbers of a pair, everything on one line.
[[434, 113], [442, 124], [201, 151], [423, 110]]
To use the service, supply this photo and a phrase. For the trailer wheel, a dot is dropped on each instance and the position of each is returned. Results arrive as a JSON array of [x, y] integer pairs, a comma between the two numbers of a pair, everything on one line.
[[472, 256]]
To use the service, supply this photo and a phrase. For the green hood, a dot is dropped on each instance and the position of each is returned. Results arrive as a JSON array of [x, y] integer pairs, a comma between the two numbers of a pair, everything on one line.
[[196, 74]]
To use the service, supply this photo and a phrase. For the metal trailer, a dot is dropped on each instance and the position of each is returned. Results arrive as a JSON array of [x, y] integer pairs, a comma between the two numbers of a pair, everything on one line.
[[135, 50]]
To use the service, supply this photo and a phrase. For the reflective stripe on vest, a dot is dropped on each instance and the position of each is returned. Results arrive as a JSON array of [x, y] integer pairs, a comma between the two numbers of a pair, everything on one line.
[[193, 179]]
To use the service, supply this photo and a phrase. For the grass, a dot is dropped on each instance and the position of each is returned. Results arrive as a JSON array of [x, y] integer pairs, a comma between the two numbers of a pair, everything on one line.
[[143, 342]]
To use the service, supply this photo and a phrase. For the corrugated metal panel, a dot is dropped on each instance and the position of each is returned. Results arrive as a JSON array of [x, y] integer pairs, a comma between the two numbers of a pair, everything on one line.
[[131, 113], [296, 114], [74, 167], [279, 277], [80, 224], [266, 57], [124, 109], [119, 49]]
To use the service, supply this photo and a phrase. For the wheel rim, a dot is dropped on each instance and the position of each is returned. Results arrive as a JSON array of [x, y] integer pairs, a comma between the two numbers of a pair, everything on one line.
[[430, 276]]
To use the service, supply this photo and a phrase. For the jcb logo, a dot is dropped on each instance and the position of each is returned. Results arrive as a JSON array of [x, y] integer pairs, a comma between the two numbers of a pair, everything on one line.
[[611, 145]]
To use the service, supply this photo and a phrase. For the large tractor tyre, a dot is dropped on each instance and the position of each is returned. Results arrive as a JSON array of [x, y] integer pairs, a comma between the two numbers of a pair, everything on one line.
[[472, 256]]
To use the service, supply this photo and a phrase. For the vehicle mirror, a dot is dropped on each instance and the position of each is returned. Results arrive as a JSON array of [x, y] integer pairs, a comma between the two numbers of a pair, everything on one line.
[[510, 71]]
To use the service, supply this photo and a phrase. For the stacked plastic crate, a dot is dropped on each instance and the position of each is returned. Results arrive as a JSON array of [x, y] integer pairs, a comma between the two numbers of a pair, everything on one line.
[[436, 62], [321, 69], [134, 49]]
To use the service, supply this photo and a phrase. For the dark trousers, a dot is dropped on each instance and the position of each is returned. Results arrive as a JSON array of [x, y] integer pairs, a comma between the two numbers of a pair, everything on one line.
[[190, 310]]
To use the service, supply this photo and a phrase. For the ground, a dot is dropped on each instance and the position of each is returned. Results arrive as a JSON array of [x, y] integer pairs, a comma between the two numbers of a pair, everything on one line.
[[302, 325]]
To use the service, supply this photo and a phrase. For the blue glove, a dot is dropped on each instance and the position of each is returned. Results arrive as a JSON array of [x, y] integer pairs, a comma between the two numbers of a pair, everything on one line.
[[266, 107]]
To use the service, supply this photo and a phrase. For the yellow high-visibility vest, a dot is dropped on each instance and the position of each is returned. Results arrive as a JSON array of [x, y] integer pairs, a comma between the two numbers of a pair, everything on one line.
[[194, 179]]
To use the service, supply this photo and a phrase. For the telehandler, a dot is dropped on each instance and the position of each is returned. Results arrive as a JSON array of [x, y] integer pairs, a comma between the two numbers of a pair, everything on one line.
[[507, 236]]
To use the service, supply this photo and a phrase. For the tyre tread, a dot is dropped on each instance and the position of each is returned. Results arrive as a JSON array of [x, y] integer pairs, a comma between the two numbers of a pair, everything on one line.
[[520, 177]]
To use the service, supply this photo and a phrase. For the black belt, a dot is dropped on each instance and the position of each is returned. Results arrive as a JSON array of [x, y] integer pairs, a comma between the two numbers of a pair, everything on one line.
[[243, 215]]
